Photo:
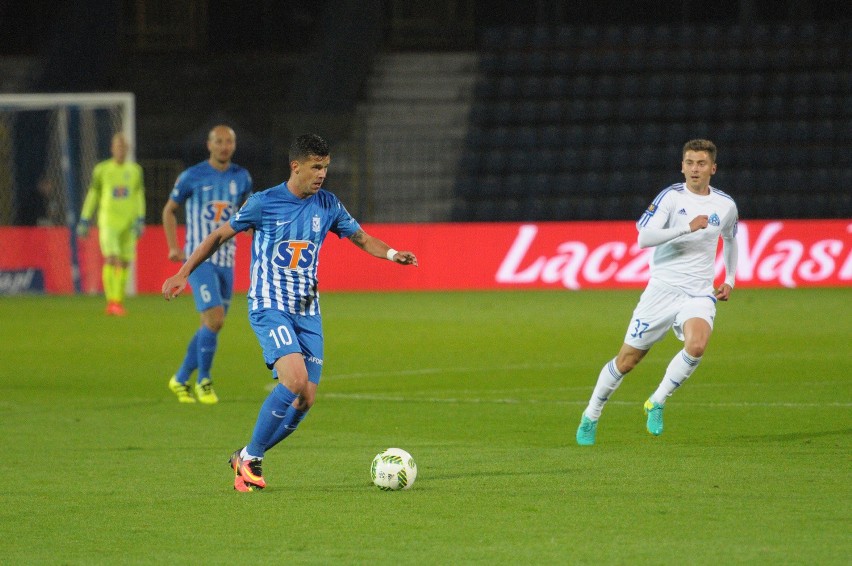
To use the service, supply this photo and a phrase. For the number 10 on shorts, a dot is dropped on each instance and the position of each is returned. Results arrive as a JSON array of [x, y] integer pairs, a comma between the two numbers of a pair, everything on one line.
[[281, 336]]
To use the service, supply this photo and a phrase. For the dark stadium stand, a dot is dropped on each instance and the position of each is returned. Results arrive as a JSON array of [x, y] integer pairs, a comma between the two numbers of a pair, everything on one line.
[[587, 122]]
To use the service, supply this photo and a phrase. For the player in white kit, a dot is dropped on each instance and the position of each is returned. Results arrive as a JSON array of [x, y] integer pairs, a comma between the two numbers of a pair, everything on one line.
[[684, 224]]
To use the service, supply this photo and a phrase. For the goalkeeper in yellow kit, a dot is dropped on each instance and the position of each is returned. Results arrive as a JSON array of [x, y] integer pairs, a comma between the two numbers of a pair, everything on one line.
[[118, 193]]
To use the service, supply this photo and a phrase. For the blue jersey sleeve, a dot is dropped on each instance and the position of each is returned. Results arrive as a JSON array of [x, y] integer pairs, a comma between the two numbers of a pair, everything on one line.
[[250, 215], [182, 189], [344, 225]]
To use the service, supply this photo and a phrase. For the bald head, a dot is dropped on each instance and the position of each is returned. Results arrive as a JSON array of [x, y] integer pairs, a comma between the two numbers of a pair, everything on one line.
[[119, 147], [221, 130], [222, 143]]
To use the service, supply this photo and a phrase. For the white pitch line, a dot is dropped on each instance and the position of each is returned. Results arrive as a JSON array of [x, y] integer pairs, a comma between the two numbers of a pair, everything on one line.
[[478, 401], [435, 371]]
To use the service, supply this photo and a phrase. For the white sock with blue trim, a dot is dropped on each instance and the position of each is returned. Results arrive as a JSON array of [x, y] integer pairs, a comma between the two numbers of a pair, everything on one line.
[[679, 370], [608, 381]]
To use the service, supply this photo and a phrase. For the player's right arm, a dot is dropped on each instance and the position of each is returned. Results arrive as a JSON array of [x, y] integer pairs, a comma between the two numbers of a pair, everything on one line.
[[170, 222], [655, 227], [650, 236], [174, 285], [93, 197]]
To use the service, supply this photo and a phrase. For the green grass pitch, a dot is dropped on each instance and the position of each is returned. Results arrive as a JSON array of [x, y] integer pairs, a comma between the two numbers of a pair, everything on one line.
[[101, 465]]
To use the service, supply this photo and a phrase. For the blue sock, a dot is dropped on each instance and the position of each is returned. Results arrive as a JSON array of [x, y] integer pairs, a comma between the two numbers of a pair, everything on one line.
[[287, 426], [272, 412], [190, 361], [206, 350]]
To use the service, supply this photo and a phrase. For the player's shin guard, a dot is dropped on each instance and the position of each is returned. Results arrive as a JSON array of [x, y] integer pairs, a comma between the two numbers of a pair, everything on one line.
[[207, 342], [190, 360], [679, 370], [272, 412], [120, 282], [108, 277], [287, 426], [608, 381]]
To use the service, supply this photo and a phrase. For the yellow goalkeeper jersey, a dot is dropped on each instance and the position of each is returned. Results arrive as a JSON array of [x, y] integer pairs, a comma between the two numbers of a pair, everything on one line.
[[117, 192]]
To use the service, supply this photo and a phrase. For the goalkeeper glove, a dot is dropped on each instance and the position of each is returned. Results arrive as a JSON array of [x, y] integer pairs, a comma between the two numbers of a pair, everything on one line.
[[139, 227], [83, 228]]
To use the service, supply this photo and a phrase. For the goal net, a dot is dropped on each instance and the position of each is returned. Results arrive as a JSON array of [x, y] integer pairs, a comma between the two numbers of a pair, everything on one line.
[[49, 144]]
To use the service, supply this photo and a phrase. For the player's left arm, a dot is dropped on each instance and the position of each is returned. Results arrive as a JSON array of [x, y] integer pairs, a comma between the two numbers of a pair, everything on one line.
[[139, 224], [730, 256], [377, 248]]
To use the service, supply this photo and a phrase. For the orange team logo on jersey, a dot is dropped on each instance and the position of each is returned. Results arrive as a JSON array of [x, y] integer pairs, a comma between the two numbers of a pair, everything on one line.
[[294, 254], [217, 211]]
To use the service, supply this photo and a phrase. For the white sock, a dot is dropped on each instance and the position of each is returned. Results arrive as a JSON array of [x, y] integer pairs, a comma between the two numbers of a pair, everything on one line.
[[679, 370], [246, 456], [608, 381]]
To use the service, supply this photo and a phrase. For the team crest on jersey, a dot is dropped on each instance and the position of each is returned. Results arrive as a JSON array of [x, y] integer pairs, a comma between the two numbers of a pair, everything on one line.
[[315, 223], [120, 192], [217, 211], [294, 254], [714, 220], [232, 188]]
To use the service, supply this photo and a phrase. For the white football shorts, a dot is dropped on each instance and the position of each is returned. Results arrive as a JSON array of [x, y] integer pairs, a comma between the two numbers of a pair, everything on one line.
[[662, 307]]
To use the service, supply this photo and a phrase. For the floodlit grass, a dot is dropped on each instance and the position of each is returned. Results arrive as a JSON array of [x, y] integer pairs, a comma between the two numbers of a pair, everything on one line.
[[102, 465]]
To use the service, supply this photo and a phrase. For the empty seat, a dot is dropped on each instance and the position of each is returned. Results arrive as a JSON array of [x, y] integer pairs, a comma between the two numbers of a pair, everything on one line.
[[524, 137], [541, 38], [557, 87], [535, 209], [573, 136], [550, 136], [507, 210], [636, 37], [496, 137], [508, 87], [633, 85], [606, 86], [581, 86], [565, 183], [601, 109], [493, 39], [551, 112], [520, 161], [516, 37], [495, 162], [569, 159]]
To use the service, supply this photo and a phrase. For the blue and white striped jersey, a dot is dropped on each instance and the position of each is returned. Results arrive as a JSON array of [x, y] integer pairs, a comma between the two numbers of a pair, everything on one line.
[[688, 261], [288, 234], [211, 197]]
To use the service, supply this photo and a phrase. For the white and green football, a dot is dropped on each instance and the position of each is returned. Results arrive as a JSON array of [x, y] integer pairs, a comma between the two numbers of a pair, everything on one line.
[[393, 469]]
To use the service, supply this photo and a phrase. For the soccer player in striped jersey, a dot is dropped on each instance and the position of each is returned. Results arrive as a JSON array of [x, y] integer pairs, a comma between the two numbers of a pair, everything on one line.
[[118, 192], [290, 223], [211, 192], [683, 224]]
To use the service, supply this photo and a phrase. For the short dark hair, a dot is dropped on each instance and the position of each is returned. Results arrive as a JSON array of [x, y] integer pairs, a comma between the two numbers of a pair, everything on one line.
[[307, 145], [701, 145]]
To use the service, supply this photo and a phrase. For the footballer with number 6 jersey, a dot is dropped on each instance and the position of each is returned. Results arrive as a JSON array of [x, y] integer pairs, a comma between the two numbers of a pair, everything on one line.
[[683, 224], [211, 192], [290, 222]]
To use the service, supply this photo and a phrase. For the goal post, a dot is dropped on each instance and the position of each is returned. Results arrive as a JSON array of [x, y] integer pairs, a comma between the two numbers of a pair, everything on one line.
[[49, 144]]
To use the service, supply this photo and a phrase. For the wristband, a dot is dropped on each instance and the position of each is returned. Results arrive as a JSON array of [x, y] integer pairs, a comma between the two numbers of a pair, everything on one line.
[[391, 252]]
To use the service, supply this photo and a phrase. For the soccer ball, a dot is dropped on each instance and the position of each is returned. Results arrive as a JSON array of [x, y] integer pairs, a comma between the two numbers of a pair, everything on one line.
[[393, 469]]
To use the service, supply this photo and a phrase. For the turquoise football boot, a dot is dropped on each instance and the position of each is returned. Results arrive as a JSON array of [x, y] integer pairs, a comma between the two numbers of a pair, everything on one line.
[[655, 417], [586, 431]]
